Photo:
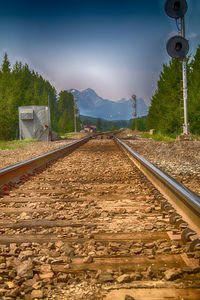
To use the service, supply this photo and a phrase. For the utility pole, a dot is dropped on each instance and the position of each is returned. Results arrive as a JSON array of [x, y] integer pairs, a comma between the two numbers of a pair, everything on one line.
[[135, 109], [75, 109]]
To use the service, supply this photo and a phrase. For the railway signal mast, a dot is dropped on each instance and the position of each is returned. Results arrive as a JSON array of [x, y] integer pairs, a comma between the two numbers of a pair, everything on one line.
[[75, 114], [135, 109], [178, 47]]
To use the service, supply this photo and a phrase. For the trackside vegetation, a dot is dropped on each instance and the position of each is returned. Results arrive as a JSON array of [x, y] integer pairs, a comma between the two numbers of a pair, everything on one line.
[[159, 136], [15, 144], [20, 86], [166, 109]]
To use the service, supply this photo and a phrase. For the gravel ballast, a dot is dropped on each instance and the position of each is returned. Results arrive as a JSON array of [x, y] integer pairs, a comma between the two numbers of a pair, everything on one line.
[[10, 157], [180, 159]]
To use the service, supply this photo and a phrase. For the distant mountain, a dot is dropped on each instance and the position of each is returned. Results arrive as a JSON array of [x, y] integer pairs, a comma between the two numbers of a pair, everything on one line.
[[90, 104]]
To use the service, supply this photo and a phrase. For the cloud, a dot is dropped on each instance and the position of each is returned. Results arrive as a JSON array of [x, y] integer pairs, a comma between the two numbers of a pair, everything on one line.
[[173, 33], [192, 35]]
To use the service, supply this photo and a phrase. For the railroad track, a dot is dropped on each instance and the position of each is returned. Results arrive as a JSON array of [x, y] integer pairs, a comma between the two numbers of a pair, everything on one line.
[[92, 226]]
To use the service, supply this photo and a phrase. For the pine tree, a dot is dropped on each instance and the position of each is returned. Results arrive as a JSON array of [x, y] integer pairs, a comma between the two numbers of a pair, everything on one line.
[[20, 87], [5, 99], [99, 124], [166, 103], [194, 94], [66, 112], [6, 64]]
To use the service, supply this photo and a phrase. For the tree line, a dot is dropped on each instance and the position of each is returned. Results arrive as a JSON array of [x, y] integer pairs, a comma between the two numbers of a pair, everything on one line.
[[166, 109], [102, 124], [20, 86]]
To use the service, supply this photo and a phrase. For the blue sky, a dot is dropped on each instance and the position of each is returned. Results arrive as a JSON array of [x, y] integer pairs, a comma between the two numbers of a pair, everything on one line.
[[116, 47]]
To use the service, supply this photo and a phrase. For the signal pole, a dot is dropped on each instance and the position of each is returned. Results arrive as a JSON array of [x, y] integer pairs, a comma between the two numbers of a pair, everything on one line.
[[178, 47], [184, 67], [135, 109], [75, 107]]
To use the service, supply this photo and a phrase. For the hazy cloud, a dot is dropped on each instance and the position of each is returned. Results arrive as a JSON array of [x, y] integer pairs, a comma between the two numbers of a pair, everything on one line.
[[192, 35], [115, 47]]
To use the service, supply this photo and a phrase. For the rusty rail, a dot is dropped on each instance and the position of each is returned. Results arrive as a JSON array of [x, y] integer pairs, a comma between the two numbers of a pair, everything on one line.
[[13, 173]]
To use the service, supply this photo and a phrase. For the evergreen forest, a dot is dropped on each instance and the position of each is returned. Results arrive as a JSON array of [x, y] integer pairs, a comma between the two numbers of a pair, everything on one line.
[[20, 86], [104, 125], [166, 112]]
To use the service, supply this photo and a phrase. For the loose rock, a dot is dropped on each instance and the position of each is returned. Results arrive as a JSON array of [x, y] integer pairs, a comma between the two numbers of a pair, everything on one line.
[[124, 278], [37, 294], [172, 274]]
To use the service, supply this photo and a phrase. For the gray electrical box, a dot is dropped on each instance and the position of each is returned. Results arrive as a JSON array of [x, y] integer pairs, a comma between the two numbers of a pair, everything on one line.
[[34, 122]]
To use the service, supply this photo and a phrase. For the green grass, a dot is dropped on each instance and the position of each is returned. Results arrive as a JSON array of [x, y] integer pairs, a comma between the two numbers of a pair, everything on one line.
[[158, 136], [69, 134], [15, 144]]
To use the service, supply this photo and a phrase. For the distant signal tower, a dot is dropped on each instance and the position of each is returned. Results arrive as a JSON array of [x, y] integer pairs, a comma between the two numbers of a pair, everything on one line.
[[135, 109], [75, 114]]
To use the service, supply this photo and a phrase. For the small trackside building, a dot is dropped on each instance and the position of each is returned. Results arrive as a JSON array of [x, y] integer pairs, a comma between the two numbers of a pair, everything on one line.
[[89, 128], [34, 122]]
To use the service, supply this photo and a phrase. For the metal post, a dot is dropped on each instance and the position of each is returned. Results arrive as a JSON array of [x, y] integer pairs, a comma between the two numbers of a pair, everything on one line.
[[16, 131], [135, 109], [185, 125], [75, 114], [136, 113], [48, 122]]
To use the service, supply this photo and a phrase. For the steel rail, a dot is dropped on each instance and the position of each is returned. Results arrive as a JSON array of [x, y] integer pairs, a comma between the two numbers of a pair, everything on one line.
[[14, 172], [185, 201]]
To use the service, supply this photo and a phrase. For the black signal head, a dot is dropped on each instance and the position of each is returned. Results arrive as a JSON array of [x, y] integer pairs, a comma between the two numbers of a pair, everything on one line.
[[177, 47], [176, 8]]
